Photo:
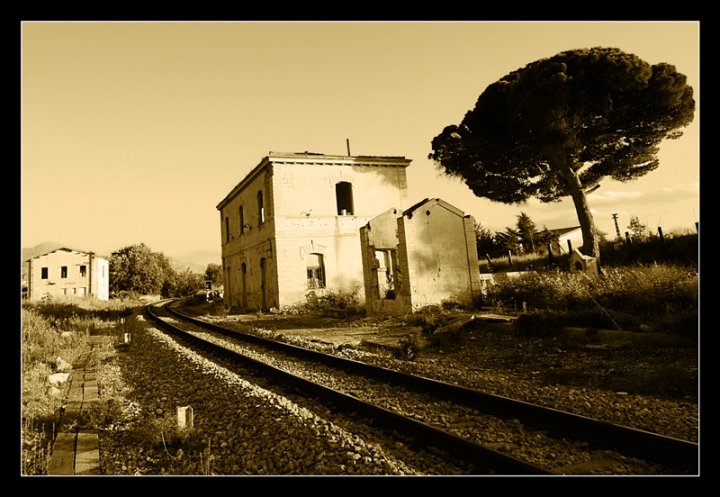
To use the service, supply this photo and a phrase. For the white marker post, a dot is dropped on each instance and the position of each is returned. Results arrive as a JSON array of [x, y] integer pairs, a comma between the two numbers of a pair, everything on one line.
[[185, 417]]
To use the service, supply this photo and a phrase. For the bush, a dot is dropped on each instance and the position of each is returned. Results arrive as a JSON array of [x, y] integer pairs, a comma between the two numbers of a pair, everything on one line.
[[407, 349], [327, 302]]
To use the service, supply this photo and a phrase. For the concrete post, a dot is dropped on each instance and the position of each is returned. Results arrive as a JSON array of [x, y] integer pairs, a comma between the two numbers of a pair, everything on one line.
[[185, 417]]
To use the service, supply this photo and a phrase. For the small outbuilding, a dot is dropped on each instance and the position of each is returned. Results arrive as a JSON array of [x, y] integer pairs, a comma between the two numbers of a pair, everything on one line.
[[584, 263], [425, 255]]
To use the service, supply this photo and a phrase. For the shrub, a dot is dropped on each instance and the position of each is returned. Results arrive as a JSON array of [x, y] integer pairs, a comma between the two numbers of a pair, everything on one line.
[[407, 349], [329, 301]]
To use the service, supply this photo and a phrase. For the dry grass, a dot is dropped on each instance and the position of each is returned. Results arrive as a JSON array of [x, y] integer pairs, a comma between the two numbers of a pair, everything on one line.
[[653, 297], [51, 330]]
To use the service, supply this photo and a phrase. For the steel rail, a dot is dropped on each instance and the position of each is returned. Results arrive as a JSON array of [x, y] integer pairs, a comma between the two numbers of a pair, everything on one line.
[[634, 442], [483, 459]]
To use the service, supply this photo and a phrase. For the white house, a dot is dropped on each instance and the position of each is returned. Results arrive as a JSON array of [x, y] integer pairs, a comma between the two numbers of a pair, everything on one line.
[[65, 271]]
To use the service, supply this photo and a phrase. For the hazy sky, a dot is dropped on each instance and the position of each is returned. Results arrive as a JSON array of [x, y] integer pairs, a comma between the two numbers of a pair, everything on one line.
[[133, 132]]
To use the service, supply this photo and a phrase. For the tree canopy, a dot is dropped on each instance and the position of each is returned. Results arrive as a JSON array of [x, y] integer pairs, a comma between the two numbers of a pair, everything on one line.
[[138, 269], [214, 273], [560, 125]]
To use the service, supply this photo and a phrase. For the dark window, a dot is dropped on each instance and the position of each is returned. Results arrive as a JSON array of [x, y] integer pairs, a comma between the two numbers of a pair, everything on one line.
[[242, 220], [315, 271], [83, 270], [227, 229], [63, 271], [261, 207], [44, 273], [344, 197], [243, 270]]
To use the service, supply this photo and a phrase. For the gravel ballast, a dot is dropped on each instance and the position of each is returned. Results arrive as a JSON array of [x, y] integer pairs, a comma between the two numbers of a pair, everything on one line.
[[240, 428], [244, 429]]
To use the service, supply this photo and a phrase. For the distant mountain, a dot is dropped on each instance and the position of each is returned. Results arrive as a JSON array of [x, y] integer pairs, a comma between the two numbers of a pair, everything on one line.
[[180, 266], [196, 260]]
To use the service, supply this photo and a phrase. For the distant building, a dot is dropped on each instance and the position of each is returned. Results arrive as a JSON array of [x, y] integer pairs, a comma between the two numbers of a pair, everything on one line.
[[290, 229], [423, 256], [65, 271], [563, 235]]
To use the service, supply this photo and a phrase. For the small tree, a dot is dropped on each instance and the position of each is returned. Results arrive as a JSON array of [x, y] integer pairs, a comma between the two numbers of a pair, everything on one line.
[[136, 268], [486, 241], [214, 273], [509, 240], [546, 237], [526, 232], [637, 229]]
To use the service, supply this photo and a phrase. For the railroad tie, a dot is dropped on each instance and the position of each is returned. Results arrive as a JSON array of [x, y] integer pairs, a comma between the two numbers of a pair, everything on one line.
[[76, 449]]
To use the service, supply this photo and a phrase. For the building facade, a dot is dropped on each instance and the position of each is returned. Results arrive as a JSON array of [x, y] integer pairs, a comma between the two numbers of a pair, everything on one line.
[[66, 272], [290, 229], [422, 256]]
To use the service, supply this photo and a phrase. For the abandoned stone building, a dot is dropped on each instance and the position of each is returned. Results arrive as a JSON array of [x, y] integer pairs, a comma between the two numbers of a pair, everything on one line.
[[290, 229], [422, 256], [66, 272]]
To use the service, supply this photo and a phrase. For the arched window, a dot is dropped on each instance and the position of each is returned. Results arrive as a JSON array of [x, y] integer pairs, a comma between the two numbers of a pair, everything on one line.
[[344, 197], [242, 220], [261, 207]]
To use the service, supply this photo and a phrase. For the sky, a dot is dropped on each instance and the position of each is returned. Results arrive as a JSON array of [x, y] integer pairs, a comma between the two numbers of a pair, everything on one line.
[[133, 132]]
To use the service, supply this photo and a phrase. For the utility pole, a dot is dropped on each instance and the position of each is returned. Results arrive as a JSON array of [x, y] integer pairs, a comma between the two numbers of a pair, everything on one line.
[[617, 229]]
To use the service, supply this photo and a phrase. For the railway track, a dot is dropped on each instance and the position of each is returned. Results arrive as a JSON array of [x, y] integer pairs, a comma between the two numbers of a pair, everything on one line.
[[462, 434]]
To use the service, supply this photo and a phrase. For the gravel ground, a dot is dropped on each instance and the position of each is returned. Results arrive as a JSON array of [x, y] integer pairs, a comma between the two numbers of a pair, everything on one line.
[[240, 428], [243, 429], [507, 436], [565, 376]]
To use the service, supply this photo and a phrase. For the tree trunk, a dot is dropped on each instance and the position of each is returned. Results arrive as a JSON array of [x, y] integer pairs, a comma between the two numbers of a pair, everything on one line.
[[591, 245]]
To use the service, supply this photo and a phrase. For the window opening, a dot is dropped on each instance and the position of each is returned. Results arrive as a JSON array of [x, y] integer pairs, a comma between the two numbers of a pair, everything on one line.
[[261, 207], [243, 269], [387, 273], [315, 271], [344, 197]]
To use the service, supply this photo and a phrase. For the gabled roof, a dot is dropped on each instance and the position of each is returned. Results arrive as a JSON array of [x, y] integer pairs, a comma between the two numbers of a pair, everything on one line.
[[409, 212], [68, 249]]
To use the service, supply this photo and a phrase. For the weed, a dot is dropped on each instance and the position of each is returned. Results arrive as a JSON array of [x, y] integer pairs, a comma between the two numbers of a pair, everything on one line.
[[50, 329], [408, 348], [329, 301]]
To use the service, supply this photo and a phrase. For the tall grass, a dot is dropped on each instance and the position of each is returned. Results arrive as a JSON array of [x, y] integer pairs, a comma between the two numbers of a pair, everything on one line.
[[658, 297], [43, 341]]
